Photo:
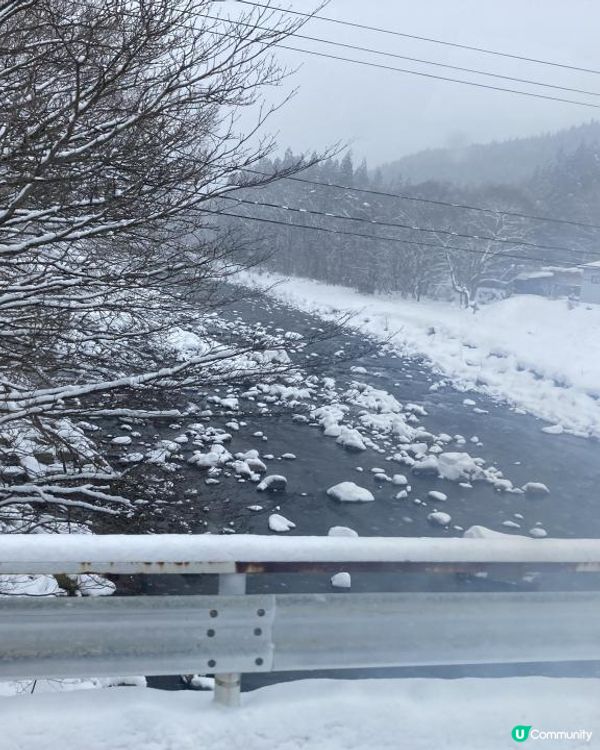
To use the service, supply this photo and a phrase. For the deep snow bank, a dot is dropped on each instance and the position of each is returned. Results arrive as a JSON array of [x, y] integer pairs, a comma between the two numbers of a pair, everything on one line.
[[463, 714], [538, 354]]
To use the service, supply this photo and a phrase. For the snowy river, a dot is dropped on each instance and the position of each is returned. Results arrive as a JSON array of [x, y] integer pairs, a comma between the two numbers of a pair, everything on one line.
[[510, 441]]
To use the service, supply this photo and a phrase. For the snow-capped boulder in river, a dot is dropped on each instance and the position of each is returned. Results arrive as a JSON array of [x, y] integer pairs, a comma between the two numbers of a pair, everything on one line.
[[439, 496], [482, 532], [351, 439], [536, 489], [279, 523], [253, 461], [452, 466], [537, 532], [341, 580], [272, 483], [343, 531], [121, 440], [349, 492], [216, 456], [427, 467], [437, 518]]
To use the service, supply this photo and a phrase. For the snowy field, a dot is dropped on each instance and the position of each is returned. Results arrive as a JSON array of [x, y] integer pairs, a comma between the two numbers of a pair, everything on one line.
[[540, 355], [422, 714]]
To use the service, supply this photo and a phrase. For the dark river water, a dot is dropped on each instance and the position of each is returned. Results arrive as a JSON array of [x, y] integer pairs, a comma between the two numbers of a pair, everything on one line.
[[513, 442]]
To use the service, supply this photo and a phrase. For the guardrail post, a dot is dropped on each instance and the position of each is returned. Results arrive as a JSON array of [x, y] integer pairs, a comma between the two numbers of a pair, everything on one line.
[[228, 684]]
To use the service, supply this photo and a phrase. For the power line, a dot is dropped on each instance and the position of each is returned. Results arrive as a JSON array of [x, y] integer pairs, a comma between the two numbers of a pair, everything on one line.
[[433, 201], [412, 59], [440, 248], [399, 225], [392, 68], [395, 225], [419, 73], [443, 42], [401, 196], [423, 74]]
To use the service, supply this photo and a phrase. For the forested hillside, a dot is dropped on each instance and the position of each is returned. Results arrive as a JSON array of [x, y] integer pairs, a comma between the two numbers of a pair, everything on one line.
[[514, 160], [338, 222]]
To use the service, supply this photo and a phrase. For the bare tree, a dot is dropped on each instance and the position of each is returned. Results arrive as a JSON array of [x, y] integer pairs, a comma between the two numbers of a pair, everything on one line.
[[492, 253], [119, 126]]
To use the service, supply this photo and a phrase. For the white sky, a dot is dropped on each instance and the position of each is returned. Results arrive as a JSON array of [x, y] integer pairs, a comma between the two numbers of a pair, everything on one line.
[[384, 115]]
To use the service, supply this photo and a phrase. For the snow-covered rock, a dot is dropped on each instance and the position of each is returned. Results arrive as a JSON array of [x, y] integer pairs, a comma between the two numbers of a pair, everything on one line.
[[437, 518], [343, 531], [457, 466], [349, 492], [242, 469], [554, 429], [351, 439], [279, 523], [218, 455], [482, 532], [451, 466], [341, 580], [428, 466], [537, 532], [251, 458], [184, 344], [329, 417], [121, 440], [272, 483], [131, 458], [439, 496], [536, 488]]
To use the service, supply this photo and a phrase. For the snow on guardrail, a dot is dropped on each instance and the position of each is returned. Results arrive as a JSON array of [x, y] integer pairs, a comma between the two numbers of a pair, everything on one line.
[[181, 553]]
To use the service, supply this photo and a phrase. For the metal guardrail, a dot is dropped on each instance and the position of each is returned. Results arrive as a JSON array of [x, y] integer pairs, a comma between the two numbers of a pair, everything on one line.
[[248, 553], [231, 633]]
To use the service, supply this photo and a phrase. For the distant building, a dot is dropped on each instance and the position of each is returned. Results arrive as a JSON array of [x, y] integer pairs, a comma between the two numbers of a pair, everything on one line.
[[590, 285], [550, 281]]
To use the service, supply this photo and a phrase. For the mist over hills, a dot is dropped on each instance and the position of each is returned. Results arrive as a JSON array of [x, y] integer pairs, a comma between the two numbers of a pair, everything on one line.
[[500, 162], [422, 237]]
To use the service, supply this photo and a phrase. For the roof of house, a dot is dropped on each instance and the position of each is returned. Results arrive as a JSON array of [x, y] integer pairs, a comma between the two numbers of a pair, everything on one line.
[[530, 275]]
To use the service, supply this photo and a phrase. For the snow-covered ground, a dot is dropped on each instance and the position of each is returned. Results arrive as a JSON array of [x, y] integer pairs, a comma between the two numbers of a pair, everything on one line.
[[421, 714], [540, 355]]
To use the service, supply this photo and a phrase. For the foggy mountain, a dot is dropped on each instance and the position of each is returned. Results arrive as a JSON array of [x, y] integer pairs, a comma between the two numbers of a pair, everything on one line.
[[510, 161], [414, 239]]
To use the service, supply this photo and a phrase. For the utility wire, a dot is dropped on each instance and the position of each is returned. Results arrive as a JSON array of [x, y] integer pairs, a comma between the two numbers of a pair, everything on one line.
[[408, 71], [395, 225], [397, 56], [432, 201], [399, 225], [401, 196], [381, 66], [440, 248], [443, 42], [423, 74]]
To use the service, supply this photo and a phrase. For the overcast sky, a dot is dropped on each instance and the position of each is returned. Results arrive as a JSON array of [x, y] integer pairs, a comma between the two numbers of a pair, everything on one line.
[[385, 114]]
